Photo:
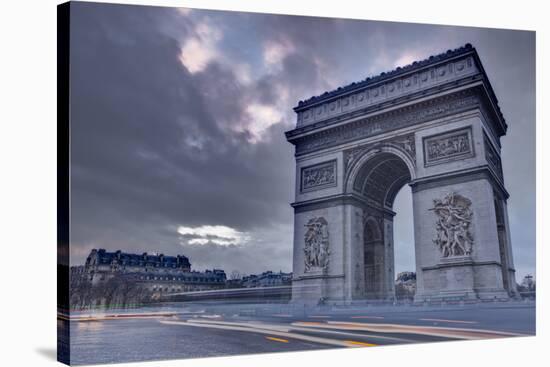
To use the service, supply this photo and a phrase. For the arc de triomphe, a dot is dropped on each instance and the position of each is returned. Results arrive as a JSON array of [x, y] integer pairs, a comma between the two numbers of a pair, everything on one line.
[[435, 125]]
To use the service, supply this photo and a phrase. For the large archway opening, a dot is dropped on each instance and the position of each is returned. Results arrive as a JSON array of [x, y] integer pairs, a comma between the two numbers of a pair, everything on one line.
[[379, 178]]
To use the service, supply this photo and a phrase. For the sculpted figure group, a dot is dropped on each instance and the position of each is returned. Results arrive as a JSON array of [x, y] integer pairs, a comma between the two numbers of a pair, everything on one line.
[[316, 249], [453, 236]]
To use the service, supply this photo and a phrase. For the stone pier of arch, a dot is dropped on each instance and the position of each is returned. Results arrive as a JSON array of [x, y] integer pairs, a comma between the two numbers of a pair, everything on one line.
[[434, 125]]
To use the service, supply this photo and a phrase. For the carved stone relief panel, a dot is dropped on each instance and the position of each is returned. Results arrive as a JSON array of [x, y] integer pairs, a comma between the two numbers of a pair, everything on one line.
[[316, 245], [454, 217], [407, 144], [448, 146], [318, 176]]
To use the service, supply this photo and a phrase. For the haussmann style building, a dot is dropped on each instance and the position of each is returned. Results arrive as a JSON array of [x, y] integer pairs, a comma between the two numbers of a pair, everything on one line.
[[158, 274]]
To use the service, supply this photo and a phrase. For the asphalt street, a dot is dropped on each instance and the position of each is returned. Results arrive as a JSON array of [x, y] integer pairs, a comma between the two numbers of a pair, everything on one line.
[[220, 330]]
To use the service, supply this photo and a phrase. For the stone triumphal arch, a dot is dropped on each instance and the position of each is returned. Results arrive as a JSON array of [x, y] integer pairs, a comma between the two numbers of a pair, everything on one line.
[[434, 125]]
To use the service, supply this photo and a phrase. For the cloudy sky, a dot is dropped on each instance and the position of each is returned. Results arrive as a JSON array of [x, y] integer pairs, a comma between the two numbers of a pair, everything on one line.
[[178, 120]]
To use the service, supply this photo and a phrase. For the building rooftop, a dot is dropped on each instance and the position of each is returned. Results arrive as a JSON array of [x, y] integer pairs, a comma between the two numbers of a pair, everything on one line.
[[105, 257]]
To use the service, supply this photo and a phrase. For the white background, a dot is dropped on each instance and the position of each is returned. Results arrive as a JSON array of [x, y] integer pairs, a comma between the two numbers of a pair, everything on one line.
[[28, 181]]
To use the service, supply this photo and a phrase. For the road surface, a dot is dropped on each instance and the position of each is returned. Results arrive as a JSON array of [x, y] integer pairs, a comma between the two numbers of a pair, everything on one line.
[[221, 330]]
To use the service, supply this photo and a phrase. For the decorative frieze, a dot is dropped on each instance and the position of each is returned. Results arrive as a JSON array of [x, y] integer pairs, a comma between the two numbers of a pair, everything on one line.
[[454, 217], [390, 89], [389, 121], [448, 146], [318, 176]]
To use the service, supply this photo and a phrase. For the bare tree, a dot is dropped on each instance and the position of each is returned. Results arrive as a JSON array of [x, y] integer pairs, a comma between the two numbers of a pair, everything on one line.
[[235, 275]]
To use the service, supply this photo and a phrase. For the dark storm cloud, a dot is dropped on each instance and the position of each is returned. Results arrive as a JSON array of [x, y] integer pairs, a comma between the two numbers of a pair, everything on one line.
[[157, 144], [147, 150]]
